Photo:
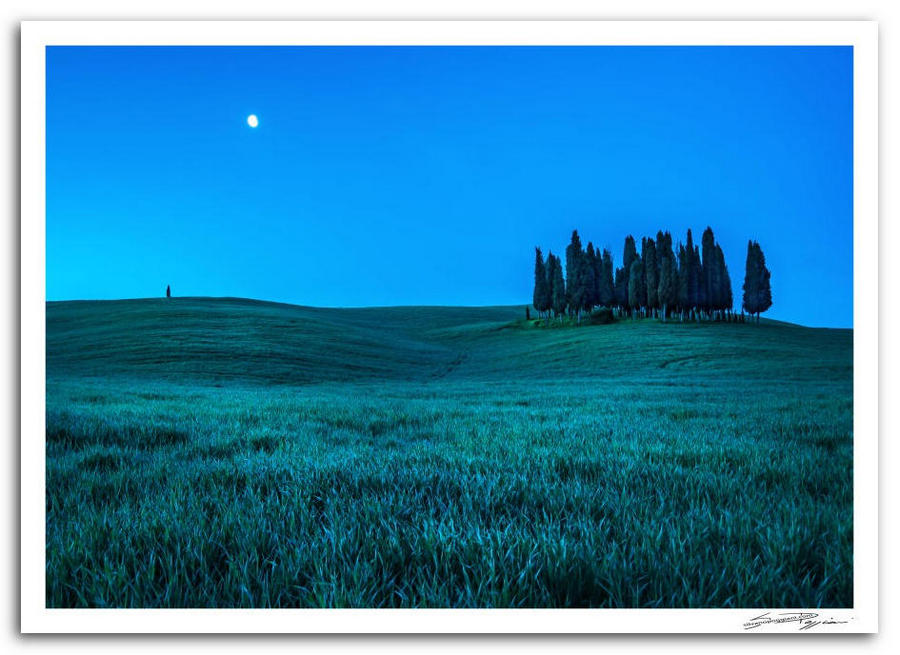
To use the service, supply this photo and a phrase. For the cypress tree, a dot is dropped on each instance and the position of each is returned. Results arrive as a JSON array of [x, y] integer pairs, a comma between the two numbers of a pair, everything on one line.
[[549, 287], [558, 287], [677, 277], [696, 274], [590, 264], [667, 291], [726, 302], [765, 285], [709, 272], [621, 289], [757, 289], [751, 281], [684, 294], [663, 242], [651, 273], [541, 297], [765, 288], [606, 287], [629, 254], [598, 276], [692, 269], [574, 275], [637, 288]]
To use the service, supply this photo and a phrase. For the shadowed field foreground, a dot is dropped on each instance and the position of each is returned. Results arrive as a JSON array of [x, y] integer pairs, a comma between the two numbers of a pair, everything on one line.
[[231, 453]]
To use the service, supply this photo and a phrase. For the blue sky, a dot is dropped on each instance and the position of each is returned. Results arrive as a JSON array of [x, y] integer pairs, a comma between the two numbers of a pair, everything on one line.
[[426, 175]]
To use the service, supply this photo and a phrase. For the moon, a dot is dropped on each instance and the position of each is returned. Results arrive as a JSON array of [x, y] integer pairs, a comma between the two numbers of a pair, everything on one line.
[[252, 120]]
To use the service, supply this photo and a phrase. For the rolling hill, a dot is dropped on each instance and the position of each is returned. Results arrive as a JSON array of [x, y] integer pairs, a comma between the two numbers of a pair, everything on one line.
[[230, 340]]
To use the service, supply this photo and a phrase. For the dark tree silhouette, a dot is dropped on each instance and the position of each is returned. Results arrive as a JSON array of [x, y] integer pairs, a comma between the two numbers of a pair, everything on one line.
[[715, 282], [591, 265], [651, 273], [558, 285], [751, 280], [724, 300], [597, 270], [667, 291], [765, 286], [541, 298], [577, 282], [729, 294], [700, 297], [637, 288], [709, 276], [606, 287], [168, 291], [621, 289], [693, 272], [629, 255], [684, 277], [757, 290]]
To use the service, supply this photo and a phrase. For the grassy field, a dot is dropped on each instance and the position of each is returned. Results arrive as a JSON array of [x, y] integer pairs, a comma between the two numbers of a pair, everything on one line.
[[234, 453]]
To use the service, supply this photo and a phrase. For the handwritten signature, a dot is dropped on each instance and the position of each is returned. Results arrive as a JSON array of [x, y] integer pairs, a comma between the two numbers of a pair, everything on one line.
[[806, 620]]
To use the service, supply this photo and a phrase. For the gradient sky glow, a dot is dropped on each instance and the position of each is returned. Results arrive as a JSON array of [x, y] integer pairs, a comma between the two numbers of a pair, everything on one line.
[[426, 175]]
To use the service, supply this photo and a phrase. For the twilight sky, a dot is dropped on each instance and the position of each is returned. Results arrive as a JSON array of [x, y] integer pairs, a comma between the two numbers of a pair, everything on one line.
[[426, 175]]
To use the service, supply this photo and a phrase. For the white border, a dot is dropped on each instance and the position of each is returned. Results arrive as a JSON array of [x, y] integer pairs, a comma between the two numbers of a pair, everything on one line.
[[862, 35]]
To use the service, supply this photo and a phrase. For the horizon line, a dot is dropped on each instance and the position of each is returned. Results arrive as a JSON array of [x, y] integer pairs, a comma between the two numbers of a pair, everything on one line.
[[279, 302]]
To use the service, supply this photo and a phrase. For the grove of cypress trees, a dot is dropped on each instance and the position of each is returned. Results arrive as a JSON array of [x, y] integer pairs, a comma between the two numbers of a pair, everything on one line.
[[696, 280]]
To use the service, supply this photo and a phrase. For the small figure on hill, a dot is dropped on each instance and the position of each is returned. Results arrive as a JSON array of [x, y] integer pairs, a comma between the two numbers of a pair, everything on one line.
[[168, 291]]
